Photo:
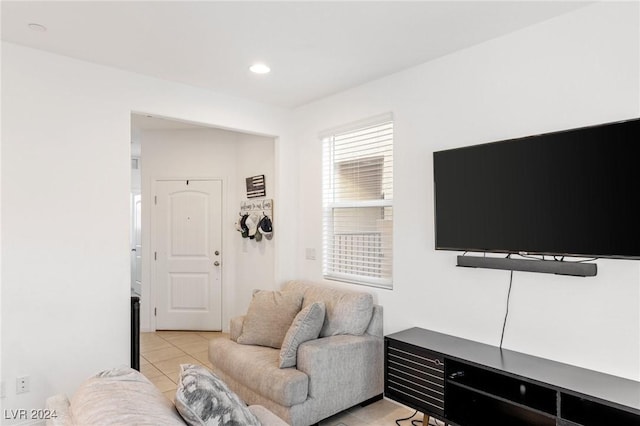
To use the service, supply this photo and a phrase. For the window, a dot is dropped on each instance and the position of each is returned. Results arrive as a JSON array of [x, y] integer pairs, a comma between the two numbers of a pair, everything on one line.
[[358, 203]]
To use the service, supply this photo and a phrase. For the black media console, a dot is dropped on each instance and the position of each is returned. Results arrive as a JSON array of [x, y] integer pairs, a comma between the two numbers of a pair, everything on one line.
[[468, 383]]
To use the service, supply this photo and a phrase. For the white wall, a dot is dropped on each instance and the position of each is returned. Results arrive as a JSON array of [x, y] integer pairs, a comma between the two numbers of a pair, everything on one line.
[[214, 154], [255, 262], [65, 209], [575, 70]]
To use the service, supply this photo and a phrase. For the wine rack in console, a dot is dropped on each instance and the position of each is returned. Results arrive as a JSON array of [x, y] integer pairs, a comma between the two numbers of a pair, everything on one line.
[[468, 383]]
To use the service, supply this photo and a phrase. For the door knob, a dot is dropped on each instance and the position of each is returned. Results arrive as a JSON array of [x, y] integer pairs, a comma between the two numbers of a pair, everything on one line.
[[216, 263]]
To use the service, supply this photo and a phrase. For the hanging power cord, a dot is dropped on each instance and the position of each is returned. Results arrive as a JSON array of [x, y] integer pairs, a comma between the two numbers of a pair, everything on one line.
[[417, 422], [506, 314], [406, 418]]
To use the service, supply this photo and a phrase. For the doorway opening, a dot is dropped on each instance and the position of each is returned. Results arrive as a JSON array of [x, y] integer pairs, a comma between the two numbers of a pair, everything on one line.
[[168, 150]]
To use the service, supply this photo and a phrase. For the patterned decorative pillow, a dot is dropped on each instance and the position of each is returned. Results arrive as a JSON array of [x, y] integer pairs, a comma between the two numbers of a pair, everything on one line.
[[204, 400], [306, 326], [269, 316]]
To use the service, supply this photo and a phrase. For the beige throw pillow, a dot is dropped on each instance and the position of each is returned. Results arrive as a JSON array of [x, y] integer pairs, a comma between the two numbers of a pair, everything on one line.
[[306, 326], [269, 316]]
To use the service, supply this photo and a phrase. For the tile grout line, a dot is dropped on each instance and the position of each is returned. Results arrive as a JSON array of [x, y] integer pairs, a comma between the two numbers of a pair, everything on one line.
[[153, 364]]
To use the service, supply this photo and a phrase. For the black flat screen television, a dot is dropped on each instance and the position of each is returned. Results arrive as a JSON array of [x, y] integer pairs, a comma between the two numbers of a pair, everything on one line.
[[569, 193]]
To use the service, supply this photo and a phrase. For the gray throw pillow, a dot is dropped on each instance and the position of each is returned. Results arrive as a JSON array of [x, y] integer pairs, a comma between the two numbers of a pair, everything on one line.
[[306, 326], [269, 316], [204, 400]]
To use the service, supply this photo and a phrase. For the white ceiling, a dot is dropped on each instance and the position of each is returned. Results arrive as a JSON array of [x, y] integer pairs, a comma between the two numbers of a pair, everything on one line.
[[313, 48]]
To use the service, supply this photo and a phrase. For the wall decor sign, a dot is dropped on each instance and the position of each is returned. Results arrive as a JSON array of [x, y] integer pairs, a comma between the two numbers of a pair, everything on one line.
[[255, 186], [264, 207]]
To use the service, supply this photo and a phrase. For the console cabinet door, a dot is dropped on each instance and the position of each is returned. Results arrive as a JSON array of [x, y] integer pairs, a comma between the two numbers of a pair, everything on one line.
[[414, 376]]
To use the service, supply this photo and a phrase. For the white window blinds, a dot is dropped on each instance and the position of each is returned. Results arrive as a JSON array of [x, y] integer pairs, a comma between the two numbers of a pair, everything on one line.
[[358, 204]]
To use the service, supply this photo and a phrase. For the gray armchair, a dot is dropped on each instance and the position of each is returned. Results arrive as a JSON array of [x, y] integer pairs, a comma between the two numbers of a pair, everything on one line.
[[333, 372]]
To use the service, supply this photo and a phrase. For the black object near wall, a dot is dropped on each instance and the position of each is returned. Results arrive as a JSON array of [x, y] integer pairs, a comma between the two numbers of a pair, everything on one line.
[[577, 269], [567, 193], [135, 333], [469, 383]]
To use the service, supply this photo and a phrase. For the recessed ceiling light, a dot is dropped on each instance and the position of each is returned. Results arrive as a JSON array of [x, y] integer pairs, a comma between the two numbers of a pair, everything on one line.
[[260, 68], [37, 27]]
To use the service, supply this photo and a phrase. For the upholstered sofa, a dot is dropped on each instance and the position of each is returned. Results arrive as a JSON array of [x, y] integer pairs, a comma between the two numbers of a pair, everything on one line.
[[123, 396], [341, 368]]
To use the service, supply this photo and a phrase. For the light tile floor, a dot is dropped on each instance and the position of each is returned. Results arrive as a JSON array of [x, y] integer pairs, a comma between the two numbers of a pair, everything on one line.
[[162, 352]]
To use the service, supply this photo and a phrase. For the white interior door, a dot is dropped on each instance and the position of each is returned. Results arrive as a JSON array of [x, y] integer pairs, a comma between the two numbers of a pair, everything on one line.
[[136, 242], [188, 260]]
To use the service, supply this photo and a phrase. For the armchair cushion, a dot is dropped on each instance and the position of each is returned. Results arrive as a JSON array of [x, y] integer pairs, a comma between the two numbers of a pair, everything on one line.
[[256, 367], [306, 326], [347, 312], [269, 316], [204, 399]]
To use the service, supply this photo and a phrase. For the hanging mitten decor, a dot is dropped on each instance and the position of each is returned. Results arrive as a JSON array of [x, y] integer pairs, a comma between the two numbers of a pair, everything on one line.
[[266, 227], [255, 219]]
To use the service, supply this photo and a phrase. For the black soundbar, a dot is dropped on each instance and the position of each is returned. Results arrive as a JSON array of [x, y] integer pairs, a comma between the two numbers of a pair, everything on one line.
[[544, 266]]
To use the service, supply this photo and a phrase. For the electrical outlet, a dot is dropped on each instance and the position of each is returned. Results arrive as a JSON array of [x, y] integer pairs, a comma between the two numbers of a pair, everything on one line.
[[22, 384]]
